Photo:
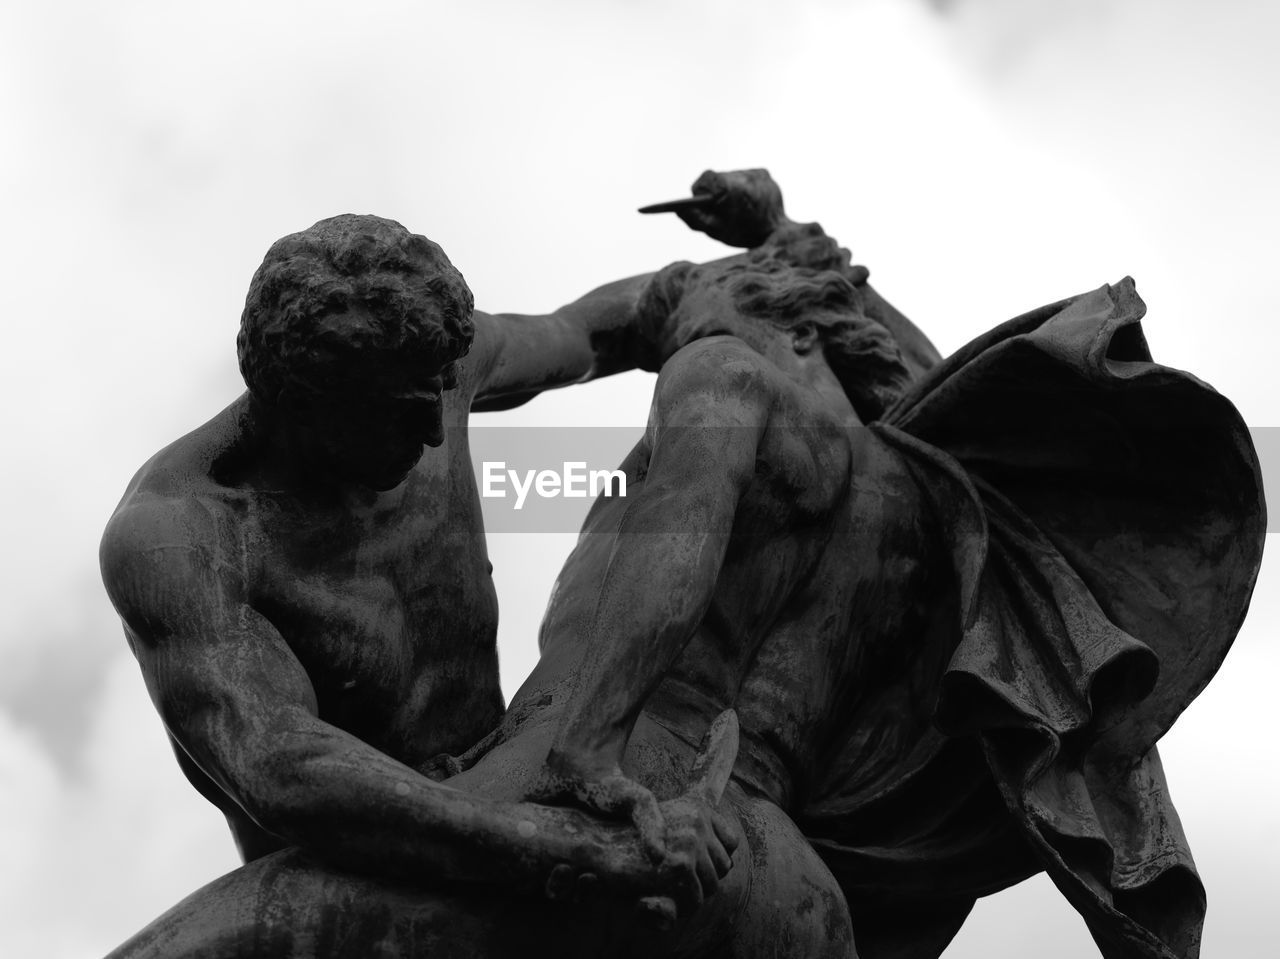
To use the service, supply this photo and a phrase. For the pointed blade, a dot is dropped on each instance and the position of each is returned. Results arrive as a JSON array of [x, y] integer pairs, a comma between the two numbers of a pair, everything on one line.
[[687, 203]]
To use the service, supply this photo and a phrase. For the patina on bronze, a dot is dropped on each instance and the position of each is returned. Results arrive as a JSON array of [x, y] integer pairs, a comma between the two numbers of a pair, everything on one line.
[[951, 604]]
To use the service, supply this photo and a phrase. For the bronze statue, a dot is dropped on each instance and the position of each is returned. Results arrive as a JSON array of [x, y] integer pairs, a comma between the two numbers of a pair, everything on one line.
[[953, 605], [309, 596]]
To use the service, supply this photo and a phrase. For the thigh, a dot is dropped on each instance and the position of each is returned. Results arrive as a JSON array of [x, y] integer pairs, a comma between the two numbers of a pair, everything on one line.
[[287, 906], [793, 907], [778, 900]]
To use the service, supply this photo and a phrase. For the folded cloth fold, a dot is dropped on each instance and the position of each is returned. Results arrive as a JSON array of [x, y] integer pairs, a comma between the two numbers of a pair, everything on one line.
[[1104, 518]]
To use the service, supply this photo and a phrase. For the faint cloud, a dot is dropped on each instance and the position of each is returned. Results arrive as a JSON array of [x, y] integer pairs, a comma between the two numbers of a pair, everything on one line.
[[52, 683], [1001, 35]]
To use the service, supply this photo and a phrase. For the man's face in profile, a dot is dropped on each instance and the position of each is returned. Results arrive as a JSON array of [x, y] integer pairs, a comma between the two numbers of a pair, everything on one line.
[[368, 420]]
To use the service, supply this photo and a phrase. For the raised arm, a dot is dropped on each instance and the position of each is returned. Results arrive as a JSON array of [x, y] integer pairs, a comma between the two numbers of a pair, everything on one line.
[[708, 416], [238, 702], [517, 356], [744, 208]]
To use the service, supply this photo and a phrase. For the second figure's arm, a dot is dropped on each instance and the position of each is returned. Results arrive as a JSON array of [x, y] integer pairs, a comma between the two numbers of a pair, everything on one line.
[[708, 418]]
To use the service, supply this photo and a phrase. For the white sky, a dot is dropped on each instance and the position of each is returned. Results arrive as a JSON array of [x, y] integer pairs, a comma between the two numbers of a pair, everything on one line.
[[981, 161]]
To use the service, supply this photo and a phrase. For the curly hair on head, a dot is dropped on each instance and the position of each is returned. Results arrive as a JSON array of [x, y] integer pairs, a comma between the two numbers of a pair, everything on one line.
[[861, 352], [326, 297]]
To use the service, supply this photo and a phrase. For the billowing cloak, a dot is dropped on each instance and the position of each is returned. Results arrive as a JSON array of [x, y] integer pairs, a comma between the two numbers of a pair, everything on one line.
[[1105, 521]]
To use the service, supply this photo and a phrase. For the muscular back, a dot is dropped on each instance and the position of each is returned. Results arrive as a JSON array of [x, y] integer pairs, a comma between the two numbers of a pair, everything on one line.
[[801, 594]]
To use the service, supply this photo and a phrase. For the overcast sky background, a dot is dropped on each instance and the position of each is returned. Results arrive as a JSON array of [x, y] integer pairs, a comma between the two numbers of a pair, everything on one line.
[[982, 157]]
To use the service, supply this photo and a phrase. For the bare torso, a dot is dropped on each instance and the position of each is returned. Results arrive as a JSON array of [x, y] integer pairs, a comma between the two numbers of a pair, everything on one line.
[[387, 602]]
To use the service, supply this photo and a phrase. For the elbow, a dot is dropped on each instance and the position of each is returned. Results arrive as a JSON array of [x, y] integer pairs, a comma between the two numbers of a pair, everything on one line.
[[280, 808], [287, 795]]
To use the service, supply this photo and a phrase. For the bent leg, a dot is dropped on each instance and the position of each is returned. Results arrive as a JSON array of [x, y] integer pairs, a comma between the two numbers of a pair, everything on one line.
[[794, 908], [778, 900], [288, 906]]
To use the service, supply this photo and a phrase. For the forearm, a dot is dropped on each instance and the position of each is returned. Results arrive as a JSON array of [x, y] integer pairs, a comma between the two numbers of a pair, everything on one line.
[[605, 322], [609, 316], [359, 809], [522, 355], [596, 335]]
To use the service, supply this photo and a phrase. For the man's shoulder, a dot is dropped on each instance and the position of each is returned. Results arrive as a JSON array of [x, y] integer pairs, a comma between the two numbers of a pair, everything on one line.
[[175, 527], [148, 518], [180, 479], [718, 366], [154, 539]]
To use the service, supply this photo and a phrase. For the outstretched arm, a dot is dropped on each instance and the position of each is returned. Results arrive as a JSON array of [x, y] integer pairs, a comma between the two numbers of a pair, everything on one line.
[[518, 356]]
